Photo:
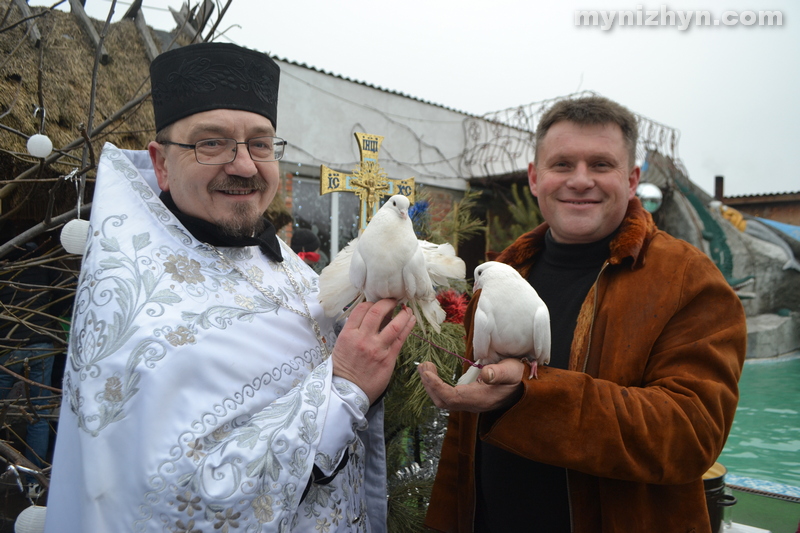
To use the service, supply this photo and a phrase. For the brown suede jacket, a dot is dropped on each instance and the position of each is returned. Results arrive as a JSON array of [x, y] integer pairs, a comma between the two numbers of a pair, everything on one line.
[[648, 401]]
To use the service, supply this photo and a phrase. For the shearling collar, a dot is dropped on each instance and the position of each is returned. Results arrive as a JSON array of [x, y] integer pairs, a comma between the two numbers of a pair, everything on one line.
[[631, 241]]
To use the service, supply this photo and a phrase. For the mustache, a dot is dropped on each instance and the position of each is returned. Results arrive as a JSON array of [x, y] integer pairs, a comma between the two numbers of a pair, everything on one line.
[[238, 182]]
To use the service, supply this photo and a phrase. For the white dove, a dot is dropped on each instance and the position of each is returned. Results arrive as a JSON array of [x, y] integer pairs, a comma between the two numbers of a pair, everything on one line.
[[511, 320], [388, 261]]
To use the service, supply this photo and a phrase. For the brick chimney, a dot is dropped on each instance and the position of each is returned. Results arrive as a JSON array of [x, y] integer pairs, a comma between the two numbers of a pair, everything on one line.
[[719, 185]]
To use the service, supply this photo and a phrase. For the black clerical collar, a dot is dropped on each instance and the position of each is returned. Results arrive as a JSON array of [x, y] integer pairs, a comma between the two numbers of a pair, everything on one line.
[[212, 234], [576, 255]]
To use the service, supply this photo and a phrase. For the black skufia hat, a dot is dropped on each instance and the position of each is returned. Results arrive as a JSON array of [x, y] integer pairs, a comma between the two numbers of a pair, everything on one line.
[[205, 76]]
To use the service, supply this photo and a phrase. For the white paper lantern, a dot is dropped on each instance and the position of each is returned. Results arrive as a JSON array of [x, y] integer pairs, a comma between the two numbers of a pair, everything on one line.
[[31, 520], [74, 235], [40, 145]]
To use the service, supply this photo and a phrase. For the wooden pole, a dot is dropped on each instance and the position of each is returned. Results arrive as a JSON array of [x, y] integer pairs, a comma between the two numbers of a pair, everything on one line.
[[33, 32], [150, 47], [78, 12]]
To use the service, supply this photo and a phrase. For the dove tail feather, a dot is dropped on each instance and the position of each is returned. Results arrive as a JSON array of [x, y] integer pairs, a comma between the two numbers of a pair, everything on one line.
[[430, 311], [418, 314], [470, 376], [348, 309]]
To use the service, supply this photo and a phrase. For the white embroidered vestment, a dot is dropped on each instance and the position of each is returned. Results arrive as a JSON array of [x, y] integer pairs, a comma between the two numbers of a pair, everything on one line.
[[192, 401]]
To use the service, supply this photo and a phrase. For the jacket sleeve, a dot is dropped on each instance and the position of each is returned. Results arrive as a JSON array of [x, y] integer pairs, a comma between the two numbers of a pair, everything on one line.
[[666, 349]]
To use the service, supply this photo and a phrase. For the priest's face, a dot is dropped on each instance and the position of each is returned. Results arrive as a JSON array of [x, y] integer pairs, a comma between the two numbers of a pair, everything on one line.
[[233, 196], [583, 180]]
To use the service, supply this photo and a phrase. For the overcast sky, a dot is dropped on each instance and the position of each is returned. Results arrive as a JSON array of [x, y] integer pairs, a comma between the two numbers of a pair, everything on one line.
[[731, 90]]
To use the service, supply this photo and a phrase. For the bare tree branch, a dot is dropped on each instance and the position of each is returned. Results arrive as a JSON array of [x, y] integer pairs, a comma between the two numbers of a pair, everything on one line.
[[40, 228], [9, 187], [13, 457], [216, 24]]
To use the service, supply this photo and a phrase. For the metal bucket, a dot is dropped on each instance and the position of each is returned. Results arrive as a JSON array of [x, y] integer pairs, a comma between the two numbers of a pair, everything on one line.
[[716, 499]]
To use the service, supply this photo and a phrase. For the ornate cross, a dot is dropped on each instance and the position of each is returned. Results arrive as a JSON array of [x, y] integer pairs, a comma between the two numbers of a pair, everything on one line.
[[368, 180]]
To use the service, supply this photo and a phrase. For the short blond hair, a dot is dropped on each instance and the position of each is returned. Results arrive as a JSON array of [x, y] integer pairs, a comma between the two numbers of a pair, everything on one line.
[[591, 111]]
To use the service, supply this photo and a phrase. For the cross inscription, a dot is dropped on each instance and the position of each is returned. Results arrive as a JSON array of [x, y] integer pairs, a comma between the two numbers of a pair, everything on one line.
[[368, 180]]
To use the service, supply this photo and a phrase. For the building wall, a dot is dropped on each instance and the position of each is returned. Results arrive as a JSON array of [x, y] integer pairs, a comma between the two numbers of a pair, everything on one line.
[[783, 210], [319, 113]]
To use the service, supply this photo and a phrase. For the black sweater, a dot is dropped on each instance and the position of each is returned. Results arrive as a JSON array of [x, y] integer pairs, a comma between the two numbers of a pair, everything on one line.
[[515, 494]]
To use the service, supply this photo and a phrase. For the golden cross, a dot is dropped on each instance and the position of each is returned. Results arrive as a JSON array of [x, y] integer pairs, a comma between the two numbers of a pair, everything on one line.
[[368, 180]]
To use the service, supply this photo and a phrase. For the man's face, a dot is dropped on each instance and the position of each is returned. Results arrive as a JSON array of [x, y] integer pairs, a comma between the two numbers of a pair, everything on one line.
[[233, 196], [583, 181]]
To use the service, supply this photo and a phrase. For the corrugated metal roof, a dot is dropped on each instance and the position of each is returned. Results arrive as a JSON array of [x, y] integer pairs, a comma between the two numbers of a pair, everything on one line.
[[768, 196]]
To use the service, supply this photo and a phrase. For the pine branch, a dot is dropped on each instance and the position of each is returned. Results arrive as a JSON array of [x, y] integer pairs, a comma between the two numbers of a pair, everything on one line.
[[460, 224], [523, 213]]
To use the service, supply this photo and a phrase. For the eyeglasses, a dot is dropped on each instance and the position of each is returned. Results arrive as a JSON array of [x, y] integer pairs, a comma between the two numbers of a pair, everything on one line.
[[223, 151]]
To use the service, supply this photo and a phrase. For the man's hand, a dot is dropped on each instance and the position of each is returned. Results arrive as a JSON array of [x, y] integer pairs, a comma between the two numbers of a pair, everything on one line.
[[365, 352], [498, 386]]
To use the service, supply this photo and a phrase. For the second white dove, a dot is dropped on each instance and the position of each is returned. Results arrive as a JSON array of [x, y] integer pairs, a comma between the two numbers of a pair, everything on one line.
[[511, 320]]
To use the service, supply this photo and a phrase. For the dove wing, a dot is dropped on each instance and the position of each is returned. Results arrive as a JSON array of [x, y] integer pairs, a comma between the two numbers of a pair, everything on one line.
[[420, 293], [358, 270], [335, 288], [415, 276], [481, 339], [541, 334], [483, 328], [442, 263]]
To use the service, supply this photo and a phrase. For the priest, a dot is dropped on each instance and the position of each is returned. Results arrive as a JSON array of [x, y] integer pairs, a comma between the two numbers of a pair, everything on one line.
[[205, 389]]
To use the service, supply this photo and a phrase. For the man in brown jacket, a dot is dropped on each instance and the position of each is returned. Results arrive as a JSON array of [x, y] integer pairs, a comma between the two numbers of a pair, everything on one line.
[[648, 346]]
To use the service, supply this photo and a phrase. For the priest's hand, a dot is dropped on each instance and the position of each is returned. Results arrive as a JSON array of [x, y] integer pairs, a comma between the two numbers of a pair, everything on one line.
[[366, 349], [499, 386]]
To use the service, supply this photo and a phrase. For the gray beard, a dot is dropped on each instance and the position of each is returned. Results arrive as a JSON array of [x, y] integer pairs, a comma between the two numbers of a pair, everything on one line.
[[243, 223]]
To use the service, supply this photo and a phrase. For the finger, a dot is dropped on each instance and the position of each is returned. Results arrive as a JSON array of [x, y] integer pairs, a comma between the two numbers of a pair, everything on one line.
[[443, 395], [397, 331], [373, 319], [430, 380], [357, 315], [427, 366], [408, 326], [386, 319], [508, 371], [427, 372]]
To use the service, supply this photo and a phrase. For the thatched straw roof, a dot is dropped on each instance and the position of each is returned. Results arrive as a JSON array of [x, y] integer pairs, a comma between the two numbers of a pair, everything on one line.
[[67, 58]]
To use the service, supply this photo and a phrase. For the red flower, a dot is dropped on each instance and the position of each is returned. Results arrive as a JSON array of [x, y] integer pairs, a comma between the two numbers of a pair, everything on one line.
[[454, 304], [309, 257]]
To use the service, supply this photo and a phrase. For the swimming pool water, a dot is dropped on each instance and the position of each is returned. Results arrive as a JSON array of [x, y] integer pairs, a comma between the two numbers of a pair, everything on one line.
[[764, 443]]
